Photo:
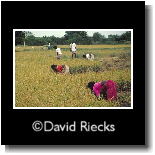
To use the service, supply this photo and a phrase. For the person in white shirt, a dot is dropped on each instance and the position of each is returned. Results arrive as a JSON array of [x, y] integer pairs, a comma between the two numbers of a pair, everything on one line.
[[88, 56], [49, 46], [73, 50], [58, 53]]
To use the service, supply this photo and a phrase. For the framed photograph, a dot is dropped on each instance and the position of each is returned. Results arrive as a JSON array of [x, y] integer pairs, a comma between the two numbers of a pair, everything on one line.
[[73, 69], [73, 76]]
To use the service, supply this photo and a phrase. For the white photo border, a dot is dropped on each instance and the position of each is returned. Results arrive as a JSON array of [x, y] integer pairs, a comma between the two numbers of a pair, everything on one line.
[[14, 99]]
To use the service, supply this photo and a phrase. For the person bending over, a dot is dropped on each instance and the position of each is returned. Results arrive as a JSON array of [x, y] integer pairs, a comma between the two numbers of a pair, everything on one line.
[[105, 89], [60, 68]]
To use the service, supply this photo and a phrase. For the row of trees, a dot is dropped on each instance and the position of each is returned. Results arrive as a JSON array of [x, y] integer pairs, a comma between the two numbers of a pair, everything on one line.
[[79, 37]]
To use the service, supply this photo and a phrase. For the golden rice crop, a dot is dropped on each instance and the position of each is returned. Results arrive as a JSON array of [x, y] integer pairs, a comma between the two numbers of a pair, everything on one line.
[[37, 86]]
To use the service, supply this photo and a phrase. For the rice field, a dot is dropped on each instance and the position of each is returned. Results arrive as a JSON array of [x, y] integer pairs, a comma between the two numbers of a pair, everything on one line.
[[37, 85]]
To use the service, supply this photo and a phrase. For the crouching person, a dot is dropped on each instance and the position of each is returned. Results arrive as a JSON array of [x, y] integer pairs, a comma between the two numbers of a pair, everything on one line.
[[89, 56], [104, 90], [58, 52], [60, 68]]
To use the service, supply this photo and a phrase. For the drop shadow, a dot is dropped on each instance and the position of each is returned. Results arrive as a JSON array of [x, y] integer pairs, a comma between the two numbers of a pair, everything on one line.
[[112, 148]]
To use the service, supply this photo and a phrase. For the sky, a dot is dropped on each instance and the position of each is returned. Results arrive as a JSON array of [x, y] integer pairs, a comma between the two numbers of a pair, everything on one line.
[[61, 33]]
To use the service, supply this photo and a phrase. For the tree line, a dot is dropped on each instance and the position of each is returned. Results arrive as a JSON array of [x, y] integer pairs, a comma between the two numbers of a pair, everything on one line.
[[79, 37]]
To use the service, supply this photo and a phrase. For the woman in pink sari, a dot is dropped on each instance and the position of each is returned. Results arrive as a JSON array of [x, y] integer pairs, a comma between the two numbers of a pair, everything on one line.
[[106, 89]]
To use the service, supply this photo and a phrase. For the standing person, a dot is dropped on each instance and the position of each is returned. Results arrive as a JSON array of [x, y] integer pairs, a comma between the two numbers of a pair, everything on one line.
[[49, 46], [105, 89], [73, 50]]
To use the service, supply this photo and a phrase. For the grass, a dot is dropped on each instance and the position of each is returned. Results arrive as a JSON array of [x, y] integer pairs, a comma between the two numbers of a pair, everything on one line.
[[38, 86]]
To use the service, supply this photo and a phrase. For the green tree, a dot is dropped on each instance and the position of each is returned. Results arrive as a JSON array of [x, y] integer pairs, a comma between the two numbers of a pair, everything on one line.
[[79, 37], [26, 35], [31, 40], [19, 37], [126, 36], [97, 37]]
